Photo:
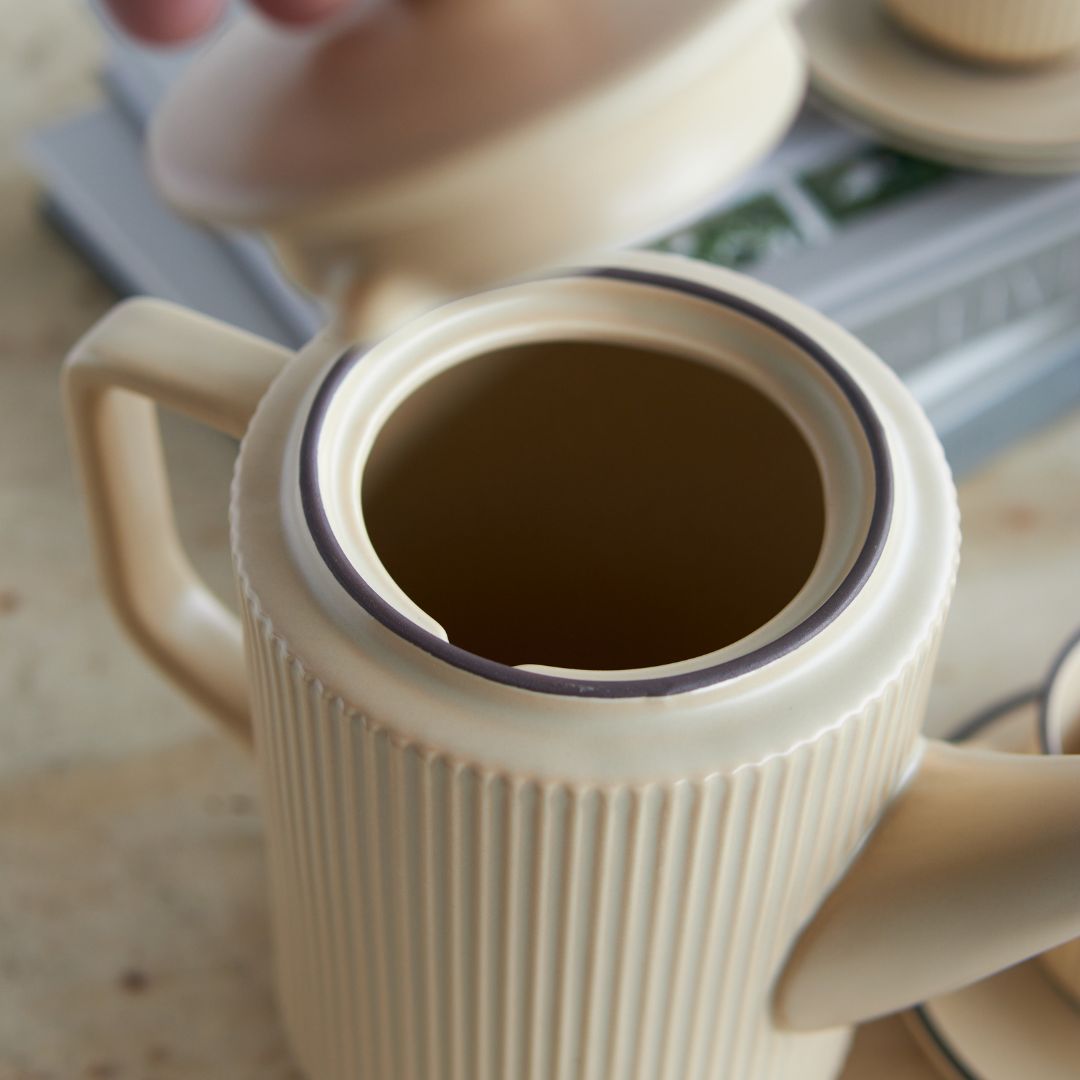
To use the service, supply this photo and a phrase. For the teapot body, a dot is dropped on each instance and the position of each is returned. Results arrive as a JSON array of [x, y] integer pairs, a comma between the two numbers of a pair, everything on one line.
[[486, 874]]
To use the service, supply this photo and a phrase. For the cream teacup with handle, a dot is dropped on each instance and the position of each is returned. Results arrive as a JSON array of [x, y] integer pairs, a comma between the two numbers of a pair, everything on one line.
[[1007, 32], [586, 629]]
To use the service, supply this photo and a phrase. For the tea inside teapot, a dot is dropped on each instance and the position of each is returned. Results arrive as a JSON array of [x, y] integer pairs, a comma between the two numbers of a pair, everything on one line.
[[593, 505]]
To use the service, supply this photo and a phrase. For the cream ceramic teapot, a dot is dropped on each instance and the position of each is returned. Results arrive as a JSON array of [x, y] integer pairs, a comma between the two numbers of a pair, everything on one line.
[[586, 624]]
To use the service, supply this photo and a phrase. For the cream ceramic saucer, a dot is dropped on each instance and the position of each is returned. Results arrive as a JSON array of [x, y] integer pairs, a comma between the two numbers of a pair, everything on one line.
[[1015, 1025], [868, 69]]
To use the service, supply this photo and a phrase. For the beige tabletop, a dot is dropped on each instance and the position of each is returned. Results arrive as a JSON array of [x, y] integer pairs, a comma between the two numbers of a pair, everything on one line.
[[133, 925]]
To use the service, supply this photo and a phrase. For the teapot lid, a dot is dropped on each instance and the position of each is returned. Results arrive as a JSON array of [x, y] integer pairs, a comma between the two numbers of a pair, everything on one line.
[[457, 142]]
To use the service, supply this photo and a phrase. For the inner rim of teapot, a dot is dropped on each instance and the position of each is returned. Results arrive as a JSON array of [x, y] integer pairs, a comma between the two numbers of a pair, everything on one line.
[[568, 485]]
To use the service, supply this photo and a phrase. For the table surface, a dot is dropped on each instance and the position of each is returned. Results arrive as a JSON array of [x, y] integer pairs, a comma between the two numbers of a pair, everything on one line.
[[133, 925]]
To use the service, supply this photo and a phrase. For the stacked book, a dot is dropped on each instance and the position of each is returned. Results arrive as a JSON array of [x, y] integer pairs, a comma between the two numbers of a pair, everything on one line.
[[967, 284]]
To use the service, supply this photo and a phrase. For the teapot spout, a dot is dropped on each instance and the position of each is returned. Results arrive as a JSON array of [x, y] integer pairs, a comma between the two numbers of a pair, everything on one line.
[[975, 867]]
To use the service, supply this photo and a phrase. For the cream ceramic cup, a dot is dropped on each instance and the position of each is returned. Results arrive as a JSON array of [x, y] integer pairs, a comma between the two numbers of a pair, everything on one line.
[[1059, 733], [1009, 32], [586, 629]]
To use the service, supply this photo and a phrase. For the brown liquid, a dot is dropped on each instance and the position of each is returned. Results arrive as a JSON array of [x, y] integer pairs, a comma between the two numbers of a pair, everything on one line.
[[593, 506]]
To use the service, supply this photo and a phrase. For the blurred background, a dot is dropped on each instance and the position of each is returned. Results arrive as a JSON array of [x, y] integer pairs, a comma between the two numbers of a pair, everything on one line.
[[132, 919], [133, 937]]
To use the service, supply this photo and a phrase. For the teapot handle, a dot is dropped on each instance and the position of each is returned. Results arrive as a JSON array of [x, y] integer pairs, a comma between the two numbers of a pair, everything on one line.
[[142, 354]]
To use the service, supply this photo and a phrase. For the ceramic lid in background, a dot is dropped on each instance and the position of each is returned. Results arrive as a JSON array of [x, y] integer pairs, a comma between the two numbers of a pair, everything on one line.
[[437, 146]]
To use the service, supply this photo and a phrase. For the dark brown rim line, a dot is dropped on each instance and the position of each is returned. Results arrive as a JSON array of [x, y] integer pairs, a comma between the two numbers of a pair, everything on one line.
[[941, 1044], [1044, 719], [360, 591]]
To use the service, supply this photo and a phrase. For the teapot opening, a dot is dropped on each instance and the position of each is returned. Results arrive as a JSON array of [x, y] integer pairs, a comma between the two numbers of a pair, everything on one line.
[[605, 483], [593, 505]]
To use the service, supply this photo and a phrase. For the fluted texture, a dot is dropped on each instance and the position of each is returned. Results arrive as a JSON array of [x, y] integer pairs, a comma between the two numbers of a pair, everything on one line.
[[994, 31], [438, 921]]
